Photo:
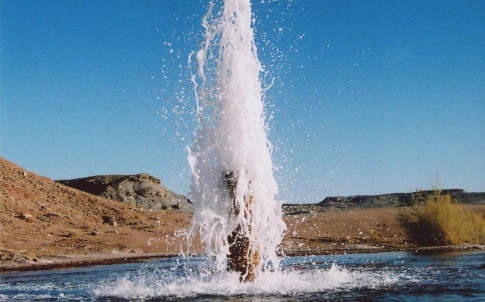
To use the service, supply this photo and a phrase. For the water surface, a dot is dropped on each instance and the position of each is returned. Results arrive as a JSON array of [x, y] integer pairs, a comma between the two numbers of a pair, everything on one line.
[[377, 277]]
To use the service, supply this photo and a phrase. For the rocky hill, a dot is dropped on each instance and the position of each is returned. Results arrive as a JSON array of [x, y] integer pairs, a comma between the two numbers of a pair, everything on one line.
[[380, 201], [141, 190], [40, 220], [399, 199]]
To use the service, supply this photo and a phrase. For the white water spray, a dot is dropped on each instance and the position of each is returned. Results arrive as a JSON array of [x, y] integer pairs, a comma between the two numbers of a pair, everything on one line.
[[232, 138]]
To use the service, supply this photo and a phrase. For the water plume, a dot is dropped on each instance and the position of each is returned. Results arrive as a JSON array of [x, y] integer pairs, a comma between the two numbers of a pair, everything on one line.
[[233, 188]]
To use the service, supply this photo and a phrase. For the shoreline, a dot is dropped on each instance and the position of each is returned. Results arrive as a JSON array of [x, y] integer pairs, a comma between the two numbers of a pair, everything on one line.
[[69, 264], [420, 250], [61, 265]]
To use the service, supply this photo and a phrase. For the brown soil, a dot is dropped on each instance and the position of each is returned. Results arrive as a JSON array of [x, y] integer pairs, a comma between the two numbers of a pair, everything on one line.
[[45, 225], [325, 231], [42, 222], [340, 230]]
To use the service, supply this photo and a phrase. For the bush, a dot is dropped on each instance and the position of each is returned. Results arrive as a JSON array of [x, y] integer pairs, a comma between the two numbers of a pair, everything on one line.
[[440, 220]]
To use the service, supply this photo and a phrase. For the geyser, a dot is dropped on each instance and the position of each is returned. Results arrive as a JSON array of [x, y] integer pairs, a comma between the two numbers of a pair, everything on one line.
[[233, 187]]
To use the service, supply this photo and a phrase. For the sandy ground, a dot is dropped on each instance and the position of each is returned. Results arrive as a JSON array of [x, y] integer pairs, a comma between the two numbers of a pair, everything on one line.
[[348, 231], [45, 225], [42, 222]]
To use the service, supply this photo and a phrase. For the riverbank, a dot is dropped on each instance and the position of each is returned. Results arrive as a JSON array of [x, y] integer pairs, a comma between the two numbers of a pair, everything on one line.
[[75, 261]]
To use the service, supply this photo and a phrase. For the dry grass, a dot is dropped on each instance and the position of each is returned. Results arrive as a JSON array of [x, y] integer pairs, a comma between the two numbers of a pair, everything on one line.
[[440, 220]]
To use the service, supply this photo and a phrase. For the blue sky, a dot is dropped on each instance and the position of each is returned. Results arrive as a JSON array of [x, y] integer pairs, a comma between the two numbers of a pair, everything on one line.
[[369, 97]]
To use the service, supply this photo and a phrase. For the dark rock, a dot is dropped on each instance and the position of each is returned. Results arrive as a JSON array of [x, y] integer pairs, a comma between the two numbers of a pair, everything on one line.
[[142, 190], [71, 235], [26, 217], [109, 220]]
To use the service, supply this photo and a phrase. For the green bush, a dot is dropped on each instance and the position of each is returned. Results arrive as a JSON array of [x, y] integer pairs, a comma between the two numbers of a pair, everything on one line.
[[440, 220]]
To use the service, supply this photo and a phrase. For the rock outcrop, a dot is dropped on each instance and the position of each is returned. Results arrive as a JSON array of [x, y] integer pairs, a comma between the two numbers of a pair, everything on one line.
[[140, 190], [399, 199], [42, 220]]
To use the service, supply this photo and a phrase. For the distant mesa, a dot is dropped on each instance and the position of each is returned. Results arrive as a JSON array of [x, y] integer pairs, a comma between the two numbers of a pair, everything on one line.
[[142, 190], [399, 199]]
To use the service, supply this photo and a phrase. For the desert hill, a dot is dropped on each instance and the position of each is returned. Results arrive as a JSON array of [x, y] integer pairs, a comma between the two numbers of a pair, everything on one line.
[[142, 190], [44, 224], [41, 219], [400, 199], [382, 201]]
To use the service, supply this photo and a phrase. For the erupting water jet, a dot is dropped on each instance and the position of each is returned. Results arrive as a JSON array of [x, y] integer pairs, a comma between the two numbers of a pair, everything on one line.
[[233, 187]]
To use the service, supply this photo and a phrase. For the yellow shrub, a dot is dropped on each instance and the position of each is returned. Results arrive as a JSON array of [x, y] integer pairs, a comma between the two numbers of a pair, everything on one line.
[[441, 221]]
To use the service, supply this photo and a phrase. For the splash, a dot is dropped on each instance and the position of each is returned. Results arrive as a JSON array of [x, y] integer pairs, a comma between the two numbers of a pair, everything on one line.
[[233, 187], [282, 283]]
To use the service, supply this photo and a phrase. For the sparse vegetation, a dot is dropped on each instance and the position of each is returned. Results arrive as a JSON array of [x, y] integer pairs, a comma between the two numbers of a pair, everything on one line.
[[440, 220]]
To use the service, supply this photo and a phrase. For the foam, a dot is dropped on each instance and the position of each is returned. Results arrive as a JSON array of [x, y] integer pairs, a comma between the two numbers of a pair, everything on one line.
[[280, 283]]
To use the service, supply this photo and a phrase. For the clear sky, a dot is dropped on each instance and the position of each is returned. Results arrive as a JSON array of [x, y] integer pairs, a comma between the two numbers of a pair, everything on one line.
[[369, 96]]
